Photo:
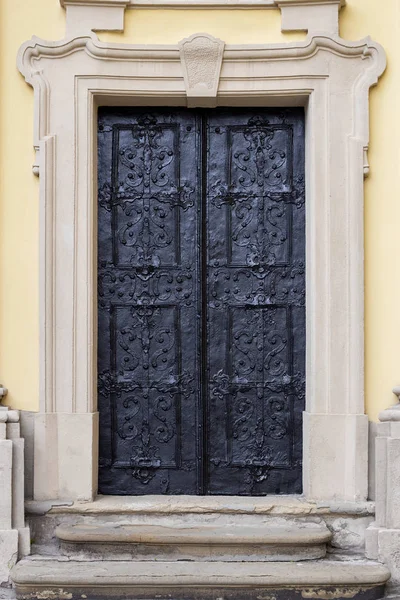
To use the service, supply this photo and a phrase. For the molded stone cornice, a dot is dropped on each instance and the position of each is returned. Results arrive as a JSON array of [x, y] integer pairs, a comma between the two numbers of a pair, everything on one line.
[[98, 3], [280, 3], [207, 4], [37, 48], [108, 15], [200, 3]]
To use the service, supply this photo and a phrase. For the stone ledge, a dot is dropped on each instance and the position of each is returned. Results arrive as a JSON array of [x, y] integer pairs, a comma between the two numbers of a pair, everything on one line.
[[165, 505]]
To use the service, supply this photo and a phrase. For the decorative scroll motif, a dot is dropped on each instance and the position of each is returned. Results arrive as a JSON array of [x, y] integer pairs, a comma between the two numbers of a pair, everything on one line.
[[255, 435], [258, 286], [145, 343], [259, 189], [146, 285], [146, 191], [263, 161], [145, 457]]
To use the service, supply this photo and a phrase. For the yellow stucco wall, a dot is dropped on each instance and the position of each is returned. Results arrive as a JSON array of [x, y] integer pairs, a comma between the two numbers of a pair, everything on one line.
[[20, 19]]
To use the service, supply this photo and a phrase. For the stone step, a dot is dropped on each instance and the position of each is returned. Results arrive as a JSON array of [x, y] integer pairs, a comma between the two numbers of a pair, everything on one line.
[[269, 542], [61, 578]]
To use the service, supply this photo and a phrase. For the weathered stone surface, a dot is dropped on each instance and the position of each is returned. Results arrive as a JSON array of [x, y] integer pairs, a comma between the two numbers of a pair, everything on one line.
[[289, 541], [329, 439], [49, 571], [8, 553], [7, 594], [118, 541], [161, 505], [18, 492], [6, 451], [393, 483], [293, 534], [389, 552], [371, 542], [27, 433], [14, 536], [349, 534], [192, 552], [373, 427], [66, 579], [347, 522], [24, 542]]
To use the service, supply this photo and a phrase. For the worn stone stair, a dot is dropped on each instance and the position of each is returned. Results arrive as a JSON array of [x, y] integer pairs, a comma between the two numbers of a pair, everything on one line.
[[184, 548], [294, 541], [61, 578]]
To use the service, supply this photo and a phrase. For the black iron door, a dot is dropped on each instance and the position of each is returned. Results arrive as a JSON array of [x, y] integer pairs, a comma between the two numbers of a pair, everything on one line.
[[201, 345]]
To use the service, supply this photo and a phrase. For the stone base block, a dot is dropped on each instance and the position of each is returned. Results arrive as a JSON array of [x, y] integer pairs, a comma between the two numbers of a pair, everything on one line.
[[8, 553], [389, 552], [64, 466], [384, 545], [335, 457], [371, 542], [24, 542]]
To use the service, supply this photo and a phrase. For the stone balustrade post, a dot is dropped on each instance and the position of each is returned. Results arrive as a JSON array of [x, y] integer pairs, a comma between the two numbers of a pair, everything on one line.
[[383, 536], [14, 536]]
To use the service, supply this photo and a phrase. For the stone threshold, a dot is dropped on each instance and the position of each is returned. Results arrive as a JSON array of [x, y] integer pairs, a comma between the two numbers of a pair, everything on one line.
[[167, 505]]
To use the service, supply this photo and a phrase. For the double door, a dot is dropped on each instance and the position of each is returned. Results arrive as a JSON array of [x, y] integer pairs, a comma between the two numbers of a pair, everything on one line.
[[201, 301]]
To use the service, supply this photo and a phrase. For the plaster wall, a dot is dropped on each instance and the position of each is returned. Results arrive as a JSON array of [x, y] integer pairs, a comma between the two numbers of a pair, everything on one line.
[[19, 20]]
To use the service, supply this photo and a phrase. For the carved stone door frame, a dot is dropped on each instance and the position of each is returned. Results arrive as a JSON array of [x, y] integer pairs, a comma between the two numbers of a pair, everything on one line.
[[331, 78]]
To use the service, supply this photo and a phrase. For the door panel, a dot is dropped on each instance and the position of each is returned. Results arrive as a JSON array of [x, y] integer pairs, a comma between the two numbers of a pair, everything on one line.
[[256, 298], [201, 301], [148, 302]]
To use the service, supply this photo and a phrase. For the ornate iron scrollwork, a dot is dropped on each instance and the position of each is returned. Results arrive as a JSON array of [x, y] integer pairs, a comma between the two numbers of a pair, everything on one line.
[[201, 296]]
